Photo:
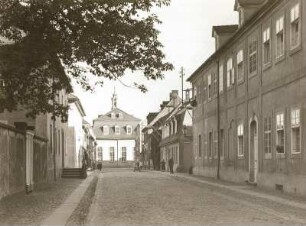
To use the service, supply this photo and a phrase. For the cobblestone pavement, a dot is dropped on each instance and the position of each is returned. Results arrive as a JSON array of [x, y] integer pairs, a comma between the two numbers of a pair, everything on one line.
[[31, 209], [124, 197]]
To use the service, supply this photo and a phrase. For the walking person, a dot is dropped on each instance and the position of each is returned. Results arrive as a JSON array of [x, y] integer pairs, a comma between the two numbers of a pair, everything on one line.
[[171, 163]]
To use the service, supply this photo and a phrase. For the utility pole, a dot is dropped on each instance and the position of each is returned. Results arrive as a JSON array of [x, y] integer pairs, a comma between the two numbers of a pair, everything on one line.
[[182, 76]]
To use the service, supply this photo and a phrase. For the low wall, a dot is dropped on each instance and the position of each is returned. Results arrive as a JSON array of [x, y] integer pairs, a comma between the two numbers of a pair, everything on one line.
[[13, 166]]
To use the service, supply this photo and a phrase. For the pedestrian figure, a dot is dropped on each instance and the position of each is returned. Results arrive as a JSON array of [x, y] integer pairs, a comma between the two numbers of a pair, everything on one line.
[[100, 166], [171, 165], [136, 166], [163, 165]]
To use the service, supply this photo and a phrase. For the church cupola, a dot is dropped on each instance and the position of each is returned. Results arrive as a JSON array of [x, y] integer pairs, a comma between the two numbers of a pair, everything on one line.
[[114, 100]]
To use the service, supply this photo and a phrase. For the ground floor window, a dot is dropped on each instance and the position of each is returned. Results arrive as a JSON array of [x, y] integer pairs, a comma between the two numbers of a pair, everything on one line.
[[112, 154], [100, 154], [210, 140], [123, 154], [280, 134], [240, 140], [295, 131], [268, 136]]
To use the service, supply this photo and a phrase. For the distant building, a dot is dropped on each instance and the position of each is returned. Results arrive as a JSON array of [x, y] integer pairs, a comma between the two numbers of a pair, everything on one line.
[[176, 141], [76, 140], [116, 132], [153, 131], [251, 94]]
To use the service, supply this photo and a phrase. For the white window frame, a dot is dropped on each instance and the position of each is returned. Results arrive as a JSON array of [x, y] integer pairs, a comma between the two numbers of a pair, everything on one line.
[[266, 40], [129, 129], [117, 130], [112, 157], [295, 21], [240, 67], [123, 148], [280, 126], [280, 35], [113, 115], [221, 78], [240, 135], [105, 130], [268, 133], [253, 41], [230, 77], [295, 120]]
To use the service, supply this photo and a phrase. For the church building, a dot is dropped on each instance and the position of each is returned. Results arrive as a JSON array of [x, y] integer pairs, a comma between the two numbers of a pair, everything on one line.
[[116, 132]]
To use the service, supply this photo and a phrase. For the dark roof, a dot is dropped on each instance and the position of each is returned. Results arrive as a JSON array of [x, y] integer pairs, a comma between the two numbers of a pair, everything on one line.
[[225, 28], [264, 9], [125, 116]]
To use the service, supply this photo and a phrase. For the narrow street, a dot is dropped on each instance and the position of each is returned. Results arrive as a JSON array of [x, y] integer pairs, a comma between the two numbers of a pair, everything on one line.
[[124, 197]]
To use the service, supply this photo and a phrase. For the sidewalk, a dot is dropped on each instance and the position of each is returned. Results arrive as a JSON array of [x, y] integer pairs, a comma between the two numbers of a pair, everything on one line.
[[61, 215], [291, 200]]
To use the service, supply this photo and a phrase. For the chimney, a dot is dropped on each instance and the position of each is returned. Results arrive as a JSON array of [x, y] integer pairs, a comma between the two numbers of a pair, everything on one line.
[[247, 8], [223, 33]]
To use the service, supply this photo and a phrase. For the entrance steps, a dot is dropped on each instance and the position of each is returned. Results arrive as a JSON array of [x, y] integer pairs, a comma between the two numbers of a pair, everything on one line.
[[72, 173]]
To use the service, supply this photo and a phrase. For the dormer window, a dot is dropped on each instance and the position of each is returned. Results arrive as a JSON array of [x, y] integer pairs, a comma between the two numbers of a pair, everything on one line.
[[117, 130], [113, 115], [105, 130], [120, 115], [128, 129]]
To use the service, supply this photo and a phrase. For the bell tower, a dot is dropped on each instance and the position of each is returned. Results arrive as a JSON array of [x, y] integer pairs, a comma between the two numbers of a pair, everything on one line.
[[114, 99]]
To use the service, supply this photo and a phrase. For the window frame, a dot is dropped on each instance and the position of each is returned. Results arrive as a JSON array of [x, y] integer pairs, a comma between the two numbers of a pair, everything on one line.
[[280, 31], [294, 126], [240, 64], [267, 133], [240, 136], [294, 20], [117, 132], [266, 41], [221, 78], [230, 76], [280, 154], [253, 40]]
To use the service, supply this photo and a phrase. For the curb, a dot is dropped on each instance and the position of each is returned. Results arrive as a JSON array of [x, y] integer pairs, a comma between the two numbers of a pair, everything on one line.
[[64, 211]]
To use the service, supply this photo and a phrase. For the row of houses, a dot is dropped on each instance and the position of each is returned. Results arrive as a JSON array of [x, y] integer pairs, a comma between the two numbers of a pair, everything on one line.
[[168, 134], [250, 118], [35, 150]]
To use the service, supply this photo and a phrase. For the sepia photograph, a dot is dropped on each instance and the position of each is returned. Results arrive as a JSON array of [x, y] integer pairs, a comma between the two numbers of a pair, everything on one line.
[[152, 112]]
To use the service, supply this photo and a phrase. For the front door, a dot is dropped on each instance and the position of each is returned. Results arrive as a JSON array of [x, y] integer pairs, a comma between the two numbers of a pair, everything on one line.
[[253, 152]]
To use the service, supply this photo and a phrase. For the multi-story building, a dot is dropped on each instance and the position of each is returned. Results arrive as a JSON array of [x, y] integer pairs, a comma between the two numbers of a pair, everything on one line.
[[116, 133], [76, 140], [250, 113], [176, 141], [153, 131]]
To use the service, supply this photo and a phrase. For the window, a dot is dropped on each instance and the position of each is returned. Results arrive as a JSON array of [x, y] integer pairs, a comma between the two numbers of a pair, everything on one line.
[[215, 143], [230, 73], [280, 134], [280, 41], [113, 115], [240, 73], [266, 46], [210, 140], [268, 136], [222, 142], [194, 91], [117, 130], [200, 145], [240, 140], [295, 26], [252, 55], [59, 142], [295, 131], [112, 154], [105, 130], [214, 77], [123, 154], [221, 83], [209, 86], [120, 115], [129, 129]]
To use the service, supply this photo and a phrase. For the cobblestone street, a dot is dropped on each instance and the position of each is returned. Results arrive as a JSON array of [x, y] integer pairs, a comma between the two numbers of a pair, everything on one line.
[[124, 197]]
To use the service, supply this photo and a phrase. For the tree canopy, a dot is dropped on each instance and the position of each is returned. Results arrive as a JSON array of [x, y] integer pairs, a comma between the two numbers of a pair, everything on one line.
[[56, 40]]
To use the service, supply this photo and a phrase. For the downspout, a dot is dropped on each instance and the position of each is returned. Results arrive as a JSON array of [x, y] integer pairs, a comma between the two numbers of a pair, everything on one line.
[[218, 121]]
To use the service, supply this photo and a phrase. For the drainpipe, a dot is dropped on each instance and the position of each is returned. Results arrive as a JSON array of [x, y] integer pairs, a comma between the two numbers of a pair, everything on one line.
[[117, 155], [218, 122]]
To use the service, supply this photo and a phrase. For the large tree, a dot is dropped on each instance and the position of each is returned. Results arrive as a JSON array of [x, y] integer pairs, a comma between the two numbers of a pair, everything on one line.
[[56, 40]]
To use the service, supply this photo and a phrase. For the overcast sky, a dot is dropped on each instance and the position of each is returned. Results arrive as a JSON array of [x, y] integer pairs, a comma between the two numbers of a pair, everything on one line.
[[186, 36]]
